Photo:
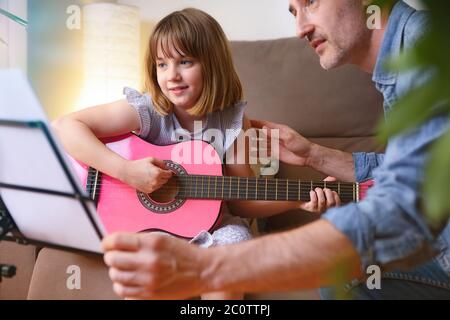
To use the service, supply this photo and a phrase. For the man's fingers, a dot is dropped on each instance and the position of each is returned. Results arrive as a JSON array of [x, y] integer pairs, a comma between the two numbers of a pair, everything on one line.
[[330, 178], [122, 260], [259, 124], [129, 278], [284, 133], [125, 291], [262, 124], [121, 241]]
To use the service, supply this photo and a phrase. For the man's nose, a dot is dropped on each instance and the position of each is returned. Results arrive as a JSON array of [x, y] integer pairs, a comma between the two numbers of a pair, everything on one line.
[[304, 28]]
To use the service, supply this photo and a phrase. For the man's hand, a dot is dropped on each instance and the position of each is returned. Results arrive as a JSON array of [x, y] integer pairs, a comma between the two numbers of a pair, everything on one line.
[[294, 148], [153, 266]]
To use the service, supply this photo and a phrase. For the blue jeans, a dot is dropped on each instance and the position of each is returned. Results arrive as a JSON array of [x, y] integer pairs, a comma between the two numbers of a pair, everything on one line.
[[429, 281]]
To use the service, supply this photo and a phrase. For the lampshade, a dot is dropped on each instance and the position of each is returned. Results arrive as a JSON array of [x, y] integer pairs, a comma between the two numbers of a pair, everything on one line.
[[111, 52]]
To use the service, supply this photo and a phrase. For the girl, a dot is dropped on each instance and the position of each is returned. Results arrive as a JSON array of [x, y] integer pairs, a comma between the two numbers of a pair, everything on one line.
[[191, 77]]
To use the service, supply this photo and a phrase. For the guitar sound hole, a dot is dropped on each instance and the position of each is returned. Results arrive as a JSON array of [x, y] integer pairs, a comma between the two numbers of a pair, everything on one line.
[[167, 192]]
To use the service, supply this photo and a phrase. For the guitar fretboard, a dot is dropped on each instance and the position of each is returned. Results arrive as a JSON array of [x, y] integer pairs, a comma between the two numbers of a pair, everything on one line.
[[239, 188]]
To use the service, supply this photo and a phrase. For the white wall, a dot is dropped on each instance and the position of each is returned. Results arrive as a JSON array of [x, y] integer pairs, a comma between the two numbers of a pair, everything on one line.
[[14, 53], [240, 19]]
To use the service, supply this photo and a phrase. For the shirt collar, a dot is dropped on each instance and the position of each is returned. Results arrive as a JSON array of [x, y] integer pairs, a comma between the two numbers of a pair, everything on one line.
[[392, 42]]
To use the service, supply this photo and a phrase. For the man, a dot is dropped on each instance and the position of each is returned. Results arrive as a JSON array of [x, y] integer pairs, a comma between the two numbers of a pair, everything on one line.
[[386, 229]]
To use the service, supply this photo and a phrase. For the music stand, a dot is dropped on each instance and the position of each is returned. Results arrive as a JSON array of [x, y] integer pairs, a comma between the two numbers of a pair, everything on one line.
[[42, 202]]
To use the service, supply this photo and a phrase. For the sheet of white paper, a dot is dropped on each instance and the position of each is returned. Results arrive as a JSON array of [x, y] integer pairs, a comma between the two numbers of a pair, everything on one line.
[[27, 159], [17, 101], [52, 219]]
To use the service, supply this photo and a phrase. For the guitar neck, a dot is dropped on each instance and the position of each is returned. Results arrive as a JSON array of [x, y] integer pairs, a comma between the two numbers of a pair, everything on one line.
[[239, 188]]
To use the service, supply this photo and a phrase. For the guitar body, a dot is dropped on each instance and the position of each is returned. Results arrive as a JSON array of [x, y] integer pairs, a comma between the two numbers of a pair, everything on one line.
[[122, 208]]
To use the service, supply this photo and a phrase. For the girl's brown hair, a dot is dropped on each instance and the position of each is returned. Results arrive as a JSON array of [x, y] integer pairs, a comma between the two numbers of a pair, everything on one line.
[[192, 32]]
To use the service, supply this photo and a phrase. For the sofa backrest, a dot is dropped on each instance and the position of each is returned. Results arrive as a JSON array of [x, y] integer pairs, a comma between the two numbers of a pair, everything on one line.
[[284, 82]]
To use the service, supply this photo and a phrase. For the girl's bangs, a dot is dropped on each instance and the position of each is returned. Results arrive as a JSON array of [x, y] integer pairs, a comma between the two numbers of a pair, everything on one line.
[[170, 41]]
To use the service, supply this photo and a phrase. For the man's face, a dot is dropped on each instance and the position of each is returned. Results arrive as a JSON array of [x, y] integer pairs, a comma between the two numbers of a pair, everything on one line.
[[335, 29]]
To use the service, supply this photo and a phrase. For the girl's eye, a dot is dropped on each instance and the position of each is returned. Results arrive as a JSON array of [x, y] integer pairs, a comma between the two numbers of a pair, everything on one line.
[[310, 2], [186, 62], [161, 65]]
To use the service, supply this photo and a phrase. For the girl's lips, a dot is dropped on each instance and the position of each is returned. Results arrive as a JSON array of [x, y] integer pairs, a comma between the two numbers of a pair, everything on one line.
[[178, 90]]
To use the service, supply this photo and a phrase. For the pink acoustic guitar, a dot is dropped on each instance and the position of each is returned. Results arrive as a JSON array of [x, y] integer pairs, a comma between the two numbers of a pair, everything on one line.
[[191, 200]]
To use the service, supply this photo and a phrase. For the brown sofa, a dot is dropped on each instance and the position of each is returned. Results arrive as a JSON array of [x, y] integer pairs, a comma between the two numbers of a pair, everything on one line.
[[283, 82]]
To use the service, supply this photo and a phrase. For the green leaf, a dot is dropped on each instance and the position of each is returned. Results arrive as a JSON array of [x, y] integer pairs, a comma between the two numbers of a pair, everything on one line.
[[436, 186], [421, 55], [411, 110]]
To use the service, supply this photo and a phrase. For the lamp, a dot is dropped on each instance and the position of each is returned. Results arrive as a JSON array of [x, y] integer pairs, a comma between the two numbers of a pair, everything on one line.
[[111, 51]]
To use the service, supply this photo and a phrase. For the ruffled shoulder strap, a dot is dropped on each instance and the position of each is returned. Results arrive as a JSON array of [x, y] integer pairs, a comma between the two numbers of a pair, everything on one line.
[[148, 117]]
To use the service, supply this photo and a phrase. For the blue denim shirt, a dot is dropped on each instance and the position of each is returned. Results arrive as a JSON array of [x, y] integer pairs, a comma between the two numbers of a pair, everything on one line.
[[388, 228]]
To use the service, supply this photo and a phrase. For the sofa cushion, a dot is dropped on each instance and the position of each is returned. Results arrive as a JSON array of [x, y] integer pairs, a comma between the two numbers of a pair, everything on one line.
[[53, 277], [22, 257]]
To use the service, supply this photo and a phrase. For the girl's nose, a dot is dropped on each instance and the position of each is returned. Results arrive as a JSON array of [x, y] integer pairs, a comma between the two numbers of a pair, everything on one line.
[[174, 73]]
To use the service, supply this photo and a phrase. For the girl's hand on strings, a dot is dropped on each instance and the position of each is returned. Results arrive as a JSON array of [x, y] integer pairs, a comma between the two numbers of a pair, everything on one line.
[[146, 175]]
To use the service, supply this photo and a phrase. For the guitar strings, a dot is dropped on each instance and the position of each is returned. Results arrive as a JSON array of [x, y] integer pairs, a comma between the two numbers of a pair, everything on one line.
[[190, 193], [188, 190], [204, 187]]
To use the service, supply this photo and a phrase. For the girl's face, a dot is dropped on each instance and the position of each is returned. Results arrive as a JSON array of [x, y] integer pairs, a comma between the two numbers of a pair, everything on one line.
[[180, 78]]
